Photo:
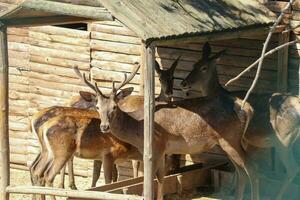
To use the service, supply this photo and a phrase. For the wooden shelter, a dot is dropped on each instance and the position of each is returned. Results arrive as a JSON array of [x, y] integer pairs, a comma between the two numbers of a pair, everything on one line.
[[156, 23]]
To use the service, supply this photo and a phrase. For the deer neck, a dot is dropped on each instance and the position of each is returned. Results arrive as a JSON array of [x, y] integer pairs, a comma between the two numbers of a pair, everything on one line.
[[215, 87], [162, 97], [126, 128]]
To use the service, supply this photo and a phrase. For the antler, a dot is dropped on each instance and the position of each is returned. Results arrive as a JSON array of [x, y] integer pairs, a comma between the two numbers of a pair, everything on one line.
[[83, 78], [126, 80]]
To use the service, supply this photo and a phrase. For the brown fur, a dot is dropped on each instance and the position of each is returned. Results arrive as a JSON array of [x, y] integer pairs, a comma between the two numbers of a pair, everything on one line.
[[184, 127], [275, 121], [76, 132]]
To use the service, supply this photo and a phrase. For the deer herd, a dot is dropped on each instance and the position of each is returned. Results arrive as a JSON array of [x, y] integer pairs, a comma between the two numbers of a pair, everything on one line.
[[108, 128]]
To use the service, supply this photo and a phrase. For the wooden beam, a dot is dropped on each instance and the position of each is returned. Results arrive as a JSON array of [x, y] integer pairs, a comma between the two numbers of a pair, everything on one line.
[[69, 193], [149, 121], [282, 64], [143, 64], [4, 133], [59, 8], [41, 21], [214, 36]]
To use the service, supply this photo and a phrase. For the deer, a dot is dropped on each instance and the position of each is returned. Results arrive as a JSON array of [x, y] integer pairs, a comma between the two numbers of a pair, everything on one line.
[[84, 101], [275, 122], [76, 133], [75, 102], [211, 121]]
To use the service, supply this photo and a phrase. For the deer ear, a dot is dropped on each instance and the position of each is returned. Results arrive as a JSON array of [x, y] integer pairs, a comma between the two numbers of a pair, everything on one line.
[[87, 96], [206, 50], [124, 93], [218, 55], [157, 69]]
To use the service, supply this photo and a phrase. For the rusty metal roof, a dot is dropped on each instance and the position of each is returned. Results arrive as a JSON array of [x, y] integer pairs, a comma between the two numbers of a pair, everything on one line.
[[164, 19]]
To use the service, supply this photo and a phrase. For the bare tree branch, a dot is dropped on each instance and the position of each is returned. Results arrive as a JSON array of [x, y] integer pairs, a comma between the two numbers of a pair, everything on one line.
[[255, 63], [272, 29]]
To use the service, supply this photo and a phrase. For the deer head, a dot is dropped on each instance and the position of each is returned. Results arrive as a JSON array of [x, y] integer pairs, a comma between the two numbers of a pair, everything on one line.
[[203, 77], [166, 78], [107, 104]]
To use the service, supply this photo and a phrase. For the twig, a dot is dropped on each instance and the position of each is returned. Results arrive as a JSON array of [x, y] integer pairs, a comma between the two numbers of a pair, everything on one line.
[[264, 50], [254, 64]]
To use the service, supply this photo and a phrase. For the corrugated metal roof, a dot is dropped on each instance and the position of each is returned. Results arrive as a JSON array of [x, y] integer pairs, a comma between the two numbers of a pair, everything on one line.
[[163, 19]]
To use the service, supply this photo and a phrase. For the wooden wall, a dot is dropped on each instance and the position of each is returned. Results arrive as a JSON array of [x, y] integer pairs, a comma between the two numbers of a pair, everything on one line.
[[18, 50], [294, 51], [41, 75]]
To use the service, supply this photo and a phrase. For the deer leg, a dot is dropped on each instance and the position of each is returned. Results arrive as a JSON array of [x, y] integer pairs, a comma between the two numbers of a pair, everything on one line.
[[62, 177], [135, 167], [114, 173], [108, 164], [159, 169], [53, 169], [33, 167], [71, 174], [96, 172]]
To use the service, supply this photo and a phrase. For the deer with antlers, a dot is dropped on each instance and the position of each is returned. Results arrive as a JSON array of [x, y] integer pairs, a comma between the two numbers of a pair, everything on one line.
[[182, 127], [85, 101], [276, 120]]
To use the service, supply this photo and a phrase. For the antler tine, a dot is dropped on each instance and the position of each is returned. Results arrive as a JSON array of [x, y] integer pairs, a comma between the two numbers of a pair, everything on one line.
[[98, 91], [83, 78], [88, 83], [77, 72], [127, 80]]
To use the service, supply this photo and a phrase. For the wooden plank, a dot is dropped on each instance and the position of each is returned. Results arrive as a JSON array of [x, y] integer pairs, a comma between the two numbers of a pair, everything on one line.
[[18, 46], [59, 62], [115, 38], [61, 8], [60, 39], [4, 128], [59, 46], [18, 39], [214, 36], [53, 30], [283, 55], [40, 21], [41, 51], [114, 30], [17, 31], [118, 47], [149, 105], [69, 193], [116, 57]]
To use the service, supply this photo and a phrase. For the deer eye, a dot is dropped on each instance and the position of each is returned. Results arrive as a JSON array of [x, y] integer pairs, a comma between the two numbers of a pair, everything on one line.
[[115, 107]]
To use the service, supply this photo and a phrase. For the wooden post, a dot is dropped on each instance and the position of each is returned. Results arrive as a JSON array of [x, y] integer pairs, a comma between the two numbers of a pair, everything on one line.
[[148, 121], [4, 137], [282, 66]]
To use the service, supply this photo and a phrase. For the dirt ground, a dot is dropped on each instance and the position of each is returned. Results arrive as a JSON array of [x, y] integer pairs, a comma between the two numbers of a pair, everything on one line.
[[20, 177]]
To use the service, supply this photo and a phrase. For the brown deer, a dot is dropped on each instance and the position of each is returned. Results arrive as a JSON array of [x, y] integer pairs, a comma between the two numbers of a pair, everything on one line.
[[75, 102], [75, 132], [183, 127], [275, 122], [85, 101]]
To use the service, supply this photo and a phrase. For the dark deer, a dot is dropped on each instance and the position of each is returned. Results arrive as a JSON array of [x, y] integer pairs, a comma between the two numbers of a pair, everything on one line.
[[75, 132], [275, 122], [183, 127]]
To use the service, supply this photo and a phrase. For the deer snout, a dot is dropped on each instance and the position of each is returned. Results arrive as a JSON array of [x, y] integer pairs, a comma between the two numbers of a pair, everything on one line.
[[104, 128]]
